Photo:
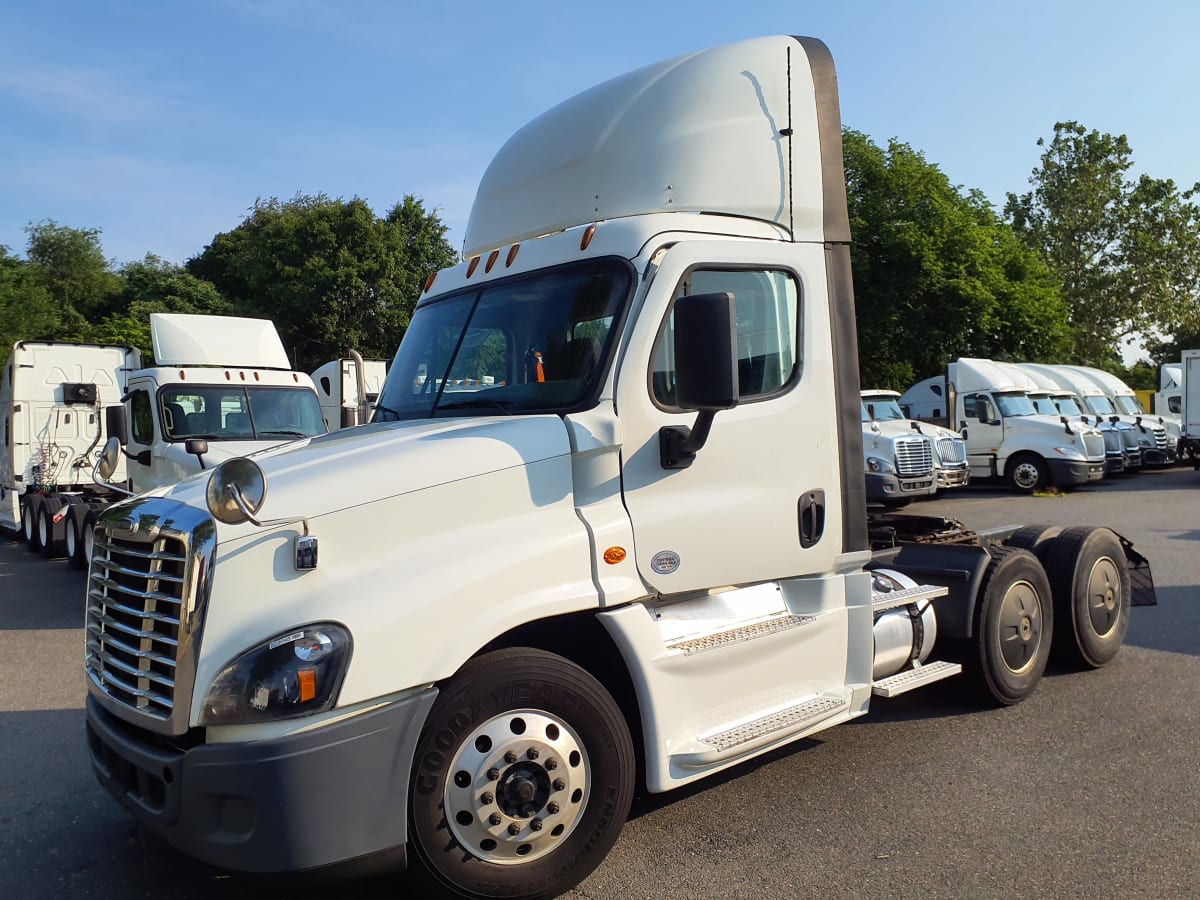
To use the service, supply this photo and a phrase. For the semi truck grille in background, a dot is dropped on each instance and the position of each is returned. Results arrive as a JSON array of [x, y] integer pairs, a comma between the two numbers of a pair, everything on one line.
[[1094, 445], [914, 456], [135, 592], [1112, 441], [1160, 437], [147, 589], [951, 450]]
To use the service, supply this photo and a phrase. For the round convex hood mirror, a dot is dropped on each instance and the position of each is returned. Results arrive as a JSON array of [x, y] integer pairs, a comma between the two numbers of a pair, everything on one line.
[[244, 475], [107, 464]]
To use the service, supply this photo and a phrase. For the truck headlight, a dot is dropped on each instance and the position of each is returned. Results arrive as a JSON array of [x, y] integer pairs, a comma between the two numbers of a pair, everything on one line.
[[295, 674], [1145, 440], [875, 464], [1068, 452]]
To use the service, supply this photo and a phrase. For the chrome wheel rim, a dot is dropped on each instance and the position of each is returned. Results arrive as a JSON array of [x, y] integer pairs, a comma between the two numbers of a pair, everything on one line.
[[71, 539], [43, 527], [1026, 475], [27, 523], [1104, 596], [517, 787]]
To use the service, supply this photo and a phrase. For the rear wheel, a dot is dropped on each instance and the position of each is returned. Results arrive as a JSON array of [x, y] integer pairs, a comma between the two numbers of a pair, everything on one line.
[[1014, 618], [523, 779], [50, 533], [74, 536], [29, 514], [1035, 538], [1027, 472], [1089, 576]]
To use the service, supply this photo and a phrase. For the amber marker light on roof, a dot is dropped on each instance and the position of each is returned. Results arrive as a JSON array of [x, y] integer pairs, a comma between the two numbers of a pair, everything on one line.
[[512, 254], [429, 281], [182, 375], [588, 234], [472, 266], [492, 257], [614, 555]]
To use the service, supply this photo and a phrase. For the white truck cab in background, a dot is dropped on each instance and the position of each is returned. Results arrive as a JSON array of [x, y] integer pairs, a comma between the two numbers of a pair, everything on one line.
[[1168, 399], [883, 417], [1005, 435], [638, 516], [1162, 430], [1189, 443], [348, 397], [1051, 398]]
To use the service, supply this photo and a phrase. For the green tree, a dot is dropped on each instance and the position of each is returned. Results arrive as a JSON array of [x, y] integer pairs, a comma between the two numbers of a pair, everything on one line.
[[69, 263], [28, 311], [937, 275], [1126, 250], [330, 273]]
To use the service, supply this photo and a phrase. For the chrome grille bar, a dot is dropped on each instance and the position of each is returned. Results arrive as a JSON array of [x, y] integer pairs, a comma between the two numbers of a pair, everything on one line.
[[914, 456]]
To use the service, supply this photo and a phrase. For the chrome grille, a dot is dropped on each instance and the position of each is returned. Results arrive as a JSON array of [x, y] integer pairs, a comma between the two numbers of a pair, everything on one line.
[[914, 456], [147, 587], [951, 450], [1112, 441], [1093, 445], [1160, 437]]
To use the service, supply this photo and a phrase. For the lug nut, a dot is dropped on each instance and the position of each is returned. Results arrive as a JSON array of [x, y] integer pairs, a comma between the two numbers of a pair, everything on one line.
[[486, 797], [559, 784], [495, 819], [532, 753], [551, 764], [536, 824], [514, 828], [510, 757], [493, 774], [552, 807]]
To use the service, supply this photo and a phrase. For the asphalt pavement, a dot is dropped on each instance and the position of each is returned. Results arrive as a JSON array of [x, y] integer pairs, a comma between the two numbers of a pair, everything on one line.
[[1090, 788]]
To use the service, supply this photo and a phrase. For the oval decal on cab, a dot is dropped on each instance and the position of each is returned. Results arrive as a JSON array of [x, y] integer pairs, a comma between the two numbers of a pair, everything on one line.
[[664, 562]]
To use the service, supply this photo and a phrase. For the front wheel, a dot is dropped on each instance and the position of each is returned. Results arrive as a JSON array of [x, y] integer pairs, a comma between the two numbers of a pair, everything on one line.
[[522, 779], [1014, 619], [1027, 472]]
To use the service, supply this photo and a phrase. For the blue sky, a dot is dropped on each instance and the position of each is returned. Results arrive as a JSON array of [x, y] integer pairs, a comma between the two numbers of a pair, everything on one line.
[[161, 122]]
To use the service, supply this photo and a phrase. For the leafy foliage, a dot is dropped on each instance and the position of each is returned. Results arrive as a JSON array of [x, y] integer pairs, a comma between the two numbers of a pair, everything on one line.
[[1127, 251], [331, 274], [937, 275]]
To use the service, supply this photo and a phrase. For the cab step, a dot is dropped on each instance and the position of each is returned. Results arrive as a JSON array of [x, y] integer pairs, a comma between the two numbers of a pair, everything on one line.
[[910, 679], [891, 599], [796, 717], [718, 639]]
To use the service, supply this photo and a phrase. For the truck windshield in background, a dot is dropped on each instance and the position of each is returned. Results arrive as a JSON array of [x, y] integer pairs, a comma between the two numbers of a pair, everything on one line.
[[236, 413], [529, 345], [1129, 405], [887, 411]]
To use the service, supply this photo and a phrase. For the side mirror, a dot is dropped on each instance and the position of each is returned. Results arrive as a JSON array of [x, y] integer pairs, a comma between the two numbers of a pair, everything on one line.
[[197, 447], [706, 372], [107, 464], [115, 425], [871, 410]]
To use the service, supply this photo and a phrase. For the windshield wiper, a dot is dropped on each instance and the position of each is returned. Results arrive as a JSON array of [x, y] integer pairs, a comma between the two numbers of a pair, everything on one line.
[[285, 433], [505, 406]]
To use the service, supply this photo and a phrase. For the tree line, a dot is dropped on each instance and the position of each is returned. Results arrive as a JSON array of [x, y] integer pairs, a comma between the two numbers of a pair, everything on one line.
[[1086, 258]]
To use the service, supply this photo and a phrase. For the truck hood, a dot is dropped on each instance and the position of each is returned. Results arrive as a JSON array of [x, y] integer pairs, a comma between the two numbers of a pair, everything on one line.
[[316, 476]]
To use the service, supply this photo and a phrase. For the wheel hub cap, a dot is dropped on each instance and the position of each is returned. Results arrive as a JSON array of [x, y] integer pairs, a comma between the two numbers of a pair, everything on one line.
[[1020, 631], [1104, 595]]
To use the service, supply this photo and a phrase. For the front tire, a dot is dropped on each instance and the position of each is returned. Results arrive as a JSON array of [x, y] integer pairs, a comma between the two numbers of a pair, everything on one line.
[[1089, 576], [522, 779], [1014, 623], [1027, 473]]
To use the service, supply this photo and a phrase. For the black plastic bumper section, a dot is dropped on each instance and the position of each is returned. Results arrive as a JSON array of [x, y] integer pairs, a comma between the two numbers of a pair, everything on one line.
[[311, 800], [1067, 472]]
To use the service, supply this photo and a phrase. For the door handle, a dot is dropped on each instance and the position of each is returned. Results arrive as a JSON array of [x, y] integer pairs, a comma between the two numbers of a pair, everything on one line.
[[811, 514]]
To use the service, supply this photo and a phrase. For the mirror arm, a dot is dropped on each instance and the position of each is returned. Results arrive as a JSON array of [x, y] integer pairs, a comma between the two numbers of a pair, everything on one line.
[[236, 493], [678, 445], [104, 482]]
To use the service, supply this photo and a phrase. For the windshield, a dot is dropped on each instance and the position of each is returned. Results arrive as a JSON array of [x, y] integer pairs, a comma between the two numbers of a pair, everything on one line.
[[886, 409], [1043, 404], [236, 413], [1101, 406], [1067, 406], [536, 344], [866, 416], [1014, 405], [1129, 405]]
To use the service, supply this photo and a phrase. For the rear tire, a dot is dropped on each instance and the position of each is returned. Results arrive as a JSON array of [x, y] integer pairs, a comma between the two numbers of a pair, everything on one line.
[[1089, 577], [523, 778], [1036, 538], [1014, 624], [74, 536], [50, 533], [29, 513]]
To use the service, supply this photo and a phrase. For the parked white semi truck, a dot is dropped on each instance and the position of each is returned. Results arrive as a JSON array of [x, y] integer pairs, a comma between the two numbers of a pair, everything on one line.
[[645, 524], [1127, 404], [1169, 396], [1005, 436], [1189, 443], [348, 389], [1050, 398], [222, 387], [883, 417]]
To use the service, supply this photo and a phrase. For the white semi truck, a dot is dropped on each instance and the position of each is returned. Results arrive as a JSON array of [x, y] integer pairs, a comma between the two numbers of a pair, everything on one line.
[[1125, 400], [1189, 442], [1050, 398], [348, 388], [883, 419], [1169, 396], [222, 387], [643, 525], [1005, 436]]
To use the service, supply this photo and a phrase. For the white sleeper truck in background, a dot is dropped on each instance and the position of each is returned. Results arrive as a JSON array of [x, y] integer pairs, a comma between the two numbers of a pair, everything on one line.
[[1189, 442], [612, 496]]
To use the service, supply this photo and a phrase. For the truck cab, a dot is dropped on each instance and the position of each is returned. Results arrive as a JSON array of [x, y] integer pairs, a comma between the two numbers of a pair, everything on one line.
[[1050, 398], [949, 450], [348, 399], [1005, 435], [1162, 429]]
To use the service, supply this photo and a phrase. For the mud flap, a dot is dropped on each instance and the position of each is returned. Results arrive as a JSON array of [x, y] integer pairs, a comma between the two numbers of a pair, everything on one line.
[[1141, 581]]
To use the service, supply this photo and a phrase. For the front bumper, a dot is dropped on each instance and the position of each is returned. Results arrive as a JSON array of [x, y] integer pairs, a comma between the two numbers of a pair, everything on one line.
[[331, 795], [882, 488], [1067, 473], [953, 477]]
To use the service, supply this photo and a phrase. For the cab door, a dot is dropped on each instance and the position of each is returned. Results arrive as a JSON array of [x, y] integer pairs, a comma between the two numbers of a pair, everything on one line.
[[761, 500], [142, 425], [983, 431]]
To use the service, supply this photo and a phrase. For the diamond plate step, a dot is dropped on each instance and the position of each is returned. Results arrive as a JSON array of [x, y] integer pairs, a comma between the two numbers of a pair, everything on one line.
[[739, 634], [790, 718], [891, 599], [914, 678]]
